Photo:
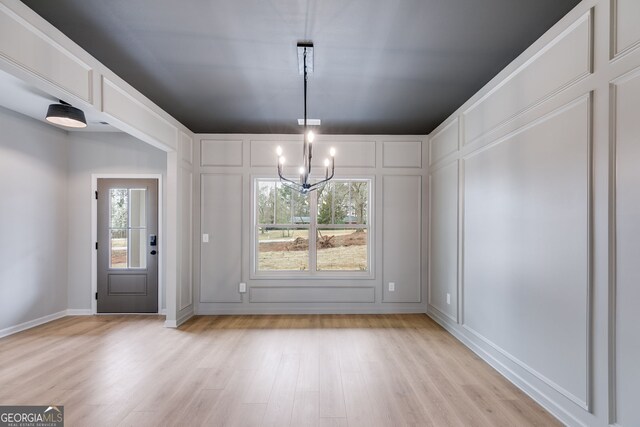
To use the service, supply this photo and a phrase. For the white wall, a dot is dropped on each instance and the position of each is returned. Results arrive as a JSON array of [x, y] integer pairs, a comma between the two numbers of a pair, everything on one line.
[[225, 166], [99, 153], [524, 202], [33, 220]]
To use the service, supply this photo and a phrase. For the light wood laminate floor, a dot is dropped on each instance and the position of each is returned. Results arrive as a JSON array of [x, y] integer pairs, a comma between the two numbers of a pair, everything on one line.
[[313, 370]]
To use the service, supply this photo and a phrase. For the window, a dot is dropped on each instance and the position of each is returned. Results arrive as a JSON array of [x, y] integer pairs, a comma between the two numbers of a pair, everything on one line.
[[324, 231]]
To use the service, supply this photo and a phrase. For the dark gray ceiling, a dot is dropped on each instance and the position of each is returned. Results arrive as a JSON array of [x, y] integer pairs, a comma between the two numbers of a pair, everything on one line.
[[381, 66]]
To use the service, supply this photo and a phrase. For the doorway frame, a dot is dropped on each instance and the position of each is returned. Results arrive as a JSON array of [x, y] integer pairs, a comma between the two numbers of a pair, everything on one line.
[[94, 236]]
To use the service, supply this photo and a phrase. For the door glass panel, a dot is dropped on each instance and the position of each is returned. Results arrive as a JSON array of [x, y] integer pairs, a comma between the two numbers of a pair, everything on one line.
[[137, 211], [118, 208], [137, 248], [118, 249], [127, 228]]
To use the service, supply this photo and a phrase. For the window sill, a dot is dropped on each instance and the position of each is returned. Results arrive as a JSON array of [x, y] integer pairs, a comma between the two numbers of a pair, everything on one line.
[[294, 275]]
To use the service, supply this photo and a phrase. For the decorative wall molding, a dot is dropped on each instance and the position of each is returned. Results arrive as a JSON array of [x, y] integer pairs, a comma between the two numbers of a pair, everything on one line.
[[36, 52], [185, 295], [624, 106], [444, 142], [544, 399], [402, 154], [585, 103], [622, 44], [122, 106], [218, 152], [401, 269], [312, 294], [540, 75]]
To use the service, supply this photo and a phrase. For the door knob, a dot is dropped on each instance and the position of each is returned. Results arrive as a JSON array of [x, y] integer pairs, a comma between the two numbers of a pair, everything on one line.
[[153, 252]]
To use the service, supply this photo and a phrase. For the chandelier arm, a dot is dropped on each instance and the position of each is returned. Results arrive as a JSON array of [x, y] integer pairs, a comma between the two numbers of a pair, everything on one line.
[[319, 183], [282, 178], [292, 186]]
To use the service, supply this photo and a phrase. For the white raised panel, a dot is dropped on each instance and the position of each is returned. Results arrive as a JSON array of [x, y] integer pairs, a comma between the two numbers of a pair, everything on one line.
[[215, 152], [119, 104], [625, 31], [186, 237], [24, 45], [627, 289], [312, 294], [563, 61], [401, 238], [348, 153], [356, 154], [444, 142], [263, 153], [221, 219], [443, 253], [527, 247], [402, 154], [186, 148]]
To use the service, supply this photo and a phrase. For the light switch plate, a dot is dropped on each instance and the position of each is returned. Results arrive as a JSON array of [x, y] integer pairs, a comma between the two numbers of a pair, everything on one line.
[[242, 288], [392, 287], [448, 298], [205, 238]]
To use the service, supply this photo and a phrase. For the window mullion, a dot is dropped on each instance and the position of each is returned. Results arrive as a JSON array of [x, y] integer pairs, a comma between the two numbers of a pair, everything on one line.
[[313, 220], [275, 201]]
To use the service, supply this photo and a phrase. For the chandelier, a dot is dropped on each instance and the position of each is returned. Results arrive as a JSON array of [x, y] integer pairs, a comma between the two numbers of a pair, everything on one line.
[[304, 184]]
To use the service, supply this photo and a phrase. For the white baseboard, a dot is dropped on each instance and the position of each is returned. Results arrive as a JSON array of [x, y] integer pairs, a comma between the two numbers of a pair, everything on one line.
[[32, 323], [541, 398], [79, 312], [256, 309], [175, 323]]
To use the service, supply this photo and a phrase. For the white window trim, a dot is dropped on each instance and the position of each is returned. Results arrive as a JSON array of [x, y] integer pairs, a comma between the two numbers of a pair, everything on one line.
[[312, 273]]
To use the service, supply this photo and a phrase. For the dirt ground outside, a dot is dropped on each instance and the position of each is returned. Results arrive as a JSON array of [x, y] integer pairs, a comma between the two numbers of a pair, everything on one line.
[[335, 251]]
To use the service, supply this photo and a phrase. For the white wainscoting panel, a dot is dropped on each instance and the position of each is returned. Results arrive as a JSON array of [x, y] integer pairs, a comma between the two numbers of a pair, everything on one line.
[[186, 148], [444, 142], [124, 107], [402, 238], [221, 219], [263, 152], [562, 62], [216, 152], [625, 31], [29, 48], [443, 228], [312, 294], [349, 154], [627, 290], [359, 154], [402, 154], [186, 240], [527, 247]]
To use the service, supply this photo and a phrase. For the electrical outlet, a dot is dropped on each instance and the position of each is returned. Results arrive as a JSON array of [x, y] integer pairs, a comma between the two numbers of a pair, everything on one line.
[[448, 298], [392, 287], [242, 288], [205, 238]]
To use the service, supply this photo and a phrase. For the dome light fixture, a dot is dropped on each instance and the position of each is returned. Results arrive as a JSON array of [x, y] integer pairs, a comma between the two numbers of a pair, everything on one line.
[[64, 114], [304, 186]]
